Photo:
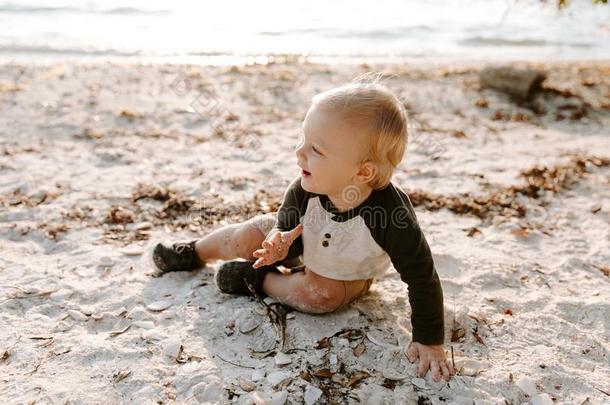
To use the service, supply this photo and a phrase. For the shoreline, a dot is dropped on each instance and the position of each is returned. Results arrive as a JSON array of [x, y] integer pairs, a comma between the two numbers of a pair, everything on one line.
[[262, 59]]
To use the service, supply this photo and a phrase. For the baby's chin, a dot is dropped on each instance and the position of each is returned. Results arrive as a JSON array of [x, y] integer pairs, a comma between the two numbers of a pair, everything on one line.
[[306, 184]]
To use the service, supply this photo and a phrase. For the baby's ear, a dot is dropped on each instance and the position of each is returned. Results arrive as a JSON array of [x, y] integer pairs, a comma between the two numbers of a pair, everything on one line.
[[368, 171]]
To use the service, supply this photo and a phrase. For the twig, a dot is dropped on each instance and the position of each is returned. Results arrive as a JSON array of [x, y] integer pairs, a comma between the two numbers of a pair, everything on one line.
[[277, 320], [452, 358], [602, 391], [235, 364], [280, 323]]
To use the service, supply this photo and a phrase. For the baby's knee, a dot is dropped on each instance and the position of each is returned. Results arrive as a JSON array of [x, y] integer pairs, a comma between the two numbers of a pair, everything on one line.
[[244, 240], [322, 298]]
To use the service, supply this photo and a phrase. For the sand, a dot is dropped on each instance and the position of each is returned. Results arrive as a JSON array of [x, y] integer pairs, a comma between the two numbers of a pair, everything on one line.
[[100, 161]]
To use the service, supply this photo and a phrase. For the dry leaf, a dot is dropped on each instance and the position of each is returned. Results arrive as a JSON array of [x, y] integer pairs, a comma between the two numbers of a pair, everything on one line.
[[457, 334], [323, 343], [323, 373], [358, 350], [350, 334], [477, 337], [389, 384], [305, 375], [604, 269], [356, 377], [262, 355], [339, 379], [120, 375], [520, 233], [473, 231], [5, 356], [46, 343]]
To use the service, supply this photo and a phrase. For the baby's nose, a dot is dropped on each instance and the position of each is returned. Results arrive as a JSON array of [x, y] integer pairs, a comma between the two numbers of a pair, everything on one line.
[[299, 153]]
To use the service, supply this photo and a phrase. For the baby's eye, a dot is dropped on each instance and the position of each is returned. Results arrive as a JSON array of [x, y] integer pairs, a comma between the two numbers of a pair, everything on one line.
[[316, 151]]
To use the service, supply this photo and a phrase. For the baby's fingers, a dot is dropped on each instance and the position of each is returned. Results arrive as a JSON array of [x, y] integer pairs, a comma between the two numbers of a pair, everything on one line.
[[292, 235], [260, 262], [259, 253], [276, 239]]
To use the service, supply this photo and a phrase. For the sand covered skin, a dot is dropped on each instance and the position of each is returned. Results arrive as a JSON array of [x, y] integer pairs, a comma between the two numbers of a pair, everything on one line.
[[99, 161]]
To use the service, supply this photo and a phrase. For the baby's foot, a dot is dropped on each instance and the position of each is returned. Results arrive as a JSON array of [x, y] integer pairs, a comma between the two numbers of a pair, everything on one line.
[[232, 277], [179, 256]]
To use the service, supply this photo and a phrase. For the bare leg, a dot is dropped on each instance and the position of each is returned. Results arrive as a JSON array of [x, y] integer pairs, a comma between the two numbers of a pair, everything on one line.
[[306, 291], [230, 242]]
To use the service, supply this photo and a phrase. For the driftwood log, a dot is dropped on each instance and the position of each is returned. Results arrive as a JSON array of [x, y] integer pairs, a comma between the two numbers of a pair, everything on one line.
[[519, 83]]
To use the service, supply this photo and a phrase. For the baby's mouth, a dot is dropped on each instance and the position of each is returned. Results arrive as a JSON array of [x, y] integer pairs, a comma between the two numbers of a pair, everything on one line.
[[305, 172]]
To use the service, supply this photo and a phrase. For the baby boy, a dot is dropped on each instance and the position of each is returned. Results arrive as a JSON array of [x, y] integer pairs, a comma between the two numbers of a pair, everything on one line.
[[342, 223]]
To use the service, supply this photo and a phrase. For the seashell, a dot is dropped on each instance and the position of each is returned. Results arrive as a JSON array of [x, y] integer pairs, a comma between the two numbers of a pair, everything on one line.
[[258, 374], [260, 398], [541, 399], [120, 327], [143, 225], [312, 394], [62, 327], [246, 385], [144, 324], [121, 311], [419, 382], [278, 398], [152, 335], [247, 322], [281, 359], [527, 385], [394, 364], [382, 338], [277, 377], [172, 348], [77, 315], [264, 341], [159, 306], [87, 310]]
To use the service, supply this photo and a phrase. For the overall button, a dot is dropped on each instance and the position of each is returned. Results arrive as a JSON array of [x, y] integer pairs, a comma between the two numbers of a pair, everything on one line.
[[327, 235], [325, 243]]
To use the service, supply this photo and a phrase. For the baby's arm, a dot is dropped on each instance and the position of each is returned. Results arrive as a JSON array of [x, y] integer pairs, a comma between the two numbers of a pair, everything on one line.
[[276, 246], [412, 258], [410, 254], [284, 240]]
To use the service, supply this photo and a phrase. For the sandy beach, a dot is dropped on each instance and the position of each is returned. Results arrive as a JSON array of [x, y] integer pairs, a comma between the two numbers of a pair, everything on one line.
[[100, 161]]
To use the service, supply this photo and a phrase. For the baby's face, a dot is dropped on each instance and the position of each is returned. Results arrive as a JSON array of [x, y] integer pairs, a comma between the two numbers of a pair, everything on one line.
[[330, 152]]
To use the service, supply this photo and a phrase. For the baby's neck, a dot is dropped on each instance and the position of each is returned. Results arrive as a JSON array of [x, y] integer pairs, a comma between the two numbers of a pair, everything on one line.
[[350, 197]]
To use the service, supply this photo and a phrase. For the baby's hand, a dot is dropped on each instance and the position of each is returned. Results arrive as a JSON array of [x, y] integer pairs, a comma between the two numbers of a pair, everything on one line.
[[275, 247], [430, 357]]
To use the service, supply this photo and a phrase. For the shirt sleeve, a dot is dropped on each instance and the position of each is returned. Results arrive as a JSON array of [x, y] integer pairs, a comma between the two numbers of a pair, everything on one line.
[[410, 254], [289, 214]]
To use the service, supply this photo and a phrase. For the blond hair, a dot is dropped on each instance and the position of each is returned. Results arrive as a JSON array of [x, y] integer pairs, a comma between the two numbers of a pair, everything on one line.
[[364, 101]]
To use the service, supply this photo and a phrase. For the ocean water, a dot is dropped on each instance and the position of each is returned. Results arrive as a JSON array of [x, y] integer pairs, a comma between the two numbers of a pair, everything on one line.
[[229, 30]]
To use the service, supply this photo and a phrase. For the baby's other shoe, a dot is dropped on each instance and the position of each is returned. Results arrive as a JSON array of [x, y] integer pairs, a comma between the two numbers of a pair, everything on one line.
[[180, 256], [233, 277]]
